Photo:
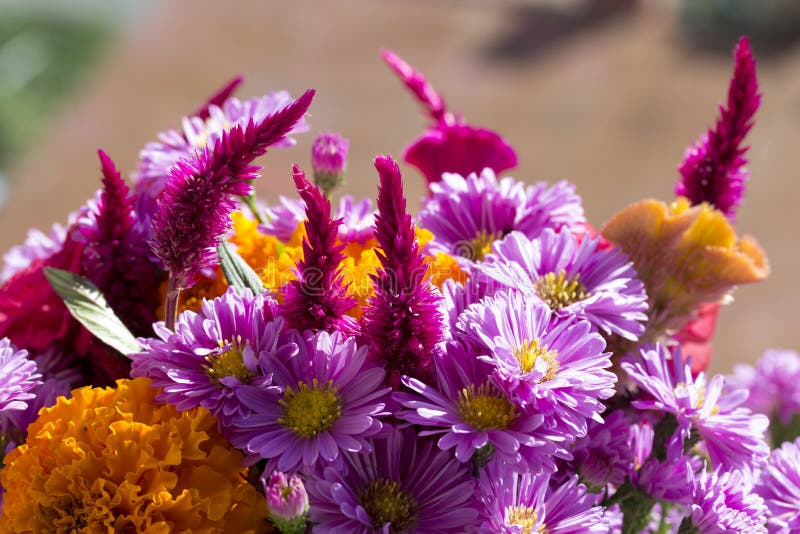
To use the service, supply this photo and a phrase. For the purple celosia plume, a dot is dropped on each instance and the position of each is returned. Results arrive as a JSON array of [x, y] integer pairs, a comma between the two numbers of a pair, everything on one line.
[[219, 98], [402, 322], [713, 169], [317, 299], [116, 256], [194, 209], [451, 144], [203, 131]]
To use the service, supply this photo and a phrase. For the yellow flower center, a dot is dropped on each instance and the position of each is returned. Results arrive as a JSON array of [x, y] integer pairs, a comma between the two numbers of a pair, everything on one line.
[[531, 352], [311, 409], [477, 248], [485, 408], [560, 290], [525, 517], [229, 362], [385, 502]]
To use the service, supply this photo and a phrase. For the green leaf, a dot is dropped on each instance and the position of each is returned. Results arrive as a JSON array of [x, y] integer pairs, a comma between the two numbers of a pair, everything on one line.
[[237, 272], [86, 303]]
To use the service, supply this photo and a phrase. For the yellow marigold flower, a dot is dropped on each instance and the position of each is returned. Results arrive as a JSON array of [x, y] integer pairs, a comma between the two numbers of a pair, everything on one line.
[[685, 255], [111, 460]]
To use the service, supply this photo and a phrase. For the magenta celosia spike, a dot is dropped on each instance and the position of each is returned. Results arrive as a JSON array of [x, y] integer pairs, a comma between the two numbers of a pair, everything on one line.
[[713, 169], [402, 323], [194, 208], [418, 84], [116, 255], [219, 98], [318, 299]]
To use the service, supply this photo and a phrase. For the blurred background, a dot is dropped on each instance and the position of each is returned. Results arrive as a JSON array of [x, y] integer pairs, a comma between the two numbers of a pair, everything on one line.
[[605, 93]]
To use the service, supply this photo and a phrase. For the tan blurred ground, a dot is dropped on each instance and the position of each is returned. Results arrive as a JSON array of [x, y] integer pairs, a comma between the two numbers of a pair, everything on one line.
[[609, 108]]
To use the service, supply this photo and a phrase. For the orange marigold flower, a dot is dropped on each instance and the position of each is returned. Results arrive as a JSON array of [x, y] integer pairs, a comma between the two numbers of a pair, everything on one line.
[[111, 460], [686, 255]]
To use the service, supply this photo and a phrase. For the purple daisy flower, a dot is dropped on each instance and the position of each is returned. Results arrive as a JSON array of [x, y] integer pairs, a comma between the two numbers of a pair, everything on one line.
[[198, 133], [604, 455], [733, 436], [327, 399], [211, 354], [37, 245], [670, 480], [456, 298], [573, 277], [467, 215], [779, 485], [404, 485], [549, 365], [358, 218], [774, 384], [519, 503], [472, 412], [18, 377], [725, 502]]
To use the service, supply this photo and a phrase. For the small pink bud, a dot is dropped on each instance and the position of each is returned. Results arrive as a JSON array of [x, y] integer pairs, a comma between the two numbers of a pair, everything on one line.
[[286, 497], [329, 160]]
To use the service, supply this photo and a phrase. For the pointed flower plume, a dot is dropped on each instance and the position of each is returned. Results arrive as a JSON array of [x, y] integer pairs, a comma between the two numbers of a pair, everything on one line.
[[116, 256], [219, 98], [713, 169], [317, 299], [451, 144], [402, 323], [194, 209]]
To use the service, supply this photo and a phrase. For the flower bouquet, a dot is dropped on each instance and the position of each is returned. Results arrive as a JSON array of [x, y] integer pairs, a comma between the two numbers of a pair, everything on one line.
[[181, 356]]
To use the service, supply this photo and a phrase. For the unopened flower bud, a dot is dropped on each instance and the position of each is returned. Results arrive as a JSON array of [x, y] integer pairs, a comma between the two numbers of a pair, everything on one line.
[[287, 502], [329, 160]]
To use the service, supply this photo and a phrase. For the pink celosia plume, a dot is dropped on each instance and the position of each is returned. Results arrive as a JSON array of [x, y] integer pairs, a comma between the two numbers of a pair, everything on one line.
[[402, 322], [713, 169], [317, 299]]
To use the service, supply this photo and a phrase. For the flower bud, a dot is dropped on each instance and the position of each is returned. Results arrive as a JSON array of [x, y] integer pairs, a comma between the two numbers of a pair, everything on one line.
[[329, 160]]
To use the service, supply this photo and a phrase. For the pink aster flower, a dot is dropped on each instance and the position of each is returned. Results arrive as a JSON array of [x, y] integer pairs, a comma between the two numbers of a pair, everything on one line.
[[603, 456], [519, 503], [779, 486], [549, 365], [471, 412], [327, 399], [18, 377], [572, 277], [733, 436], [405, 484], [202, 131], [725, 502], [468, 214], [713, 169], [211, 354], [451, 144], [773, 383], [37, 246]]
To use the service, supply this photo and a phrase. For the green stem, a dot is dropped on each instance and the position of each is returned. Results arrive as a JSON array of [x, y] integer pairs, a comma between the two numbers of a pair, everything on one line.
[[250, 200], [171, 303]]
